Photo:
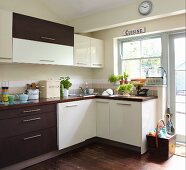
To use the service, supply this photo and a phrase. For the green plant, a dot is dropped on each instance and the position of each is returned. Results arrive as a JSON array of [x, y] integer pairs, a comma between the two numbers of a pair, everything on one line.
[[125, 88], [65, 81], [120, 77], [125, 75], [113, 78]]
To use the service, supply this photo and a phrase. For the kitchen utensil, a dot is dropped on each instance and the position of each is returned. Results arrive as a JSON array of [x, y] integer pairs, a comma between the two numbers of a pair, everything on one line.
[[11, 98], [22, 97], [105, 93], [110, 91], [33, 94], [90, 91]]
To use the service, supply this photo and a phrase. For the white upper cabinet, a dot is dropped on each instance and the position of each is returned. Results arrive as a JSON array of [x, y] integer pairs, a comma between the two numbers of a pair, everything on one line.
[[88, 52], [81, 51], [28, 51], [97, 54], [42, 42], [5, 36]]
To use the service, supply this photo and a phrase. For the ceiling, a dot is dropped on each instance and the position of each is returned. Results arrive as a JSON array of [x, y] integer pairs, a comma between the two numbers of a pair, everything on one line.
[[73, 9]]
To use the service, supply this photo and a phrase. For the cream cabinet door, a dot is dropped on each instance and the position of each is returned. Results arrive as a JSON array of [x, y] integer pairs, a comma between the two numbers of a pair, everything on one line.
[[5, 35], [97, 53], [88, 107], [125, 122], [103, 115], [82, 51], [76, 122], [70, 124], [28, 51]]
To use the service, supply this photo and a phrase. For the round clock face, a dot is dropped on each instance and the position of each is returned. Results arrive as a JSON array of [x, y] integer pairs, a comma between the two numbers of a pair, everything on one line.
[[145, 7]]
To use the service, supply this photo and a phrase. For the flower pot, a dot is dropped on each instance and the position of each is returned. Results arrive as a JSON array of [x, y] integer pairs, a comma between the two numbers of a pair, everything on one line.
[[125, 93], [65, 92]]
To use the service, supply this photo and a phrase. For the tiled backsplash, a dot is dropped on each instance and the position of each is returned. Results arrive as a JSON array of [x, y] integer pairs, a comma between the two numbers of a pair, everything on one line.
[[98, 85]]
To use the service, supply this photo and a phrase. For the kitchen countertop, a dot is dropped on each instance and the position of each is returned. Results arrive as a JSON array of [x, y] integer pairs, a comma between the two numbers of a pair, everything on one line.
[[5, 106]]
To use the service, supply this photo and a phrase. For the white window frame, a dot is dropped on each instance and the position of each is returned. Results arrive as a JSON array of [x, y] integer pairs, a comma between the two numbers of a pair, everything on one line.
[[138, 38]]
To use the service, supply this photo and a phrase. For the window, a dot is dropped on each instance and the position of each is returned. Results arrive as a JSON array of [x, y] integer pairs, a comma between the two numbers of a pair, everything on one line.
[[139, 56]]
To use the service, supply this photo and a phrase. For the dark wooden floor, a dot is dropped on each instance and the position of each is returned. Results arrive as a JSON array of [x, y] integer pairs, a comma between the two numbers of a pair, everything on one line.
[[104, 157]]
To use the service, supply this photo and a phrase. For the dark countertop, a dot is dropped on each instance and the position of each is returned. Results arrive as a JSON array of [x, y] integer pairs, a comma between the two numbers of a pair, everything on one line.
[[128, 98], [30, 103]]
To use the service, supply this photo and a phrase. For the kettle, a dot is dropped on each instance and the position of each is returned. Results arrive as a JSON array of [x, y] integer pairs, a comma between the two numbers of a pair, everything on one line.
[[22, 97]]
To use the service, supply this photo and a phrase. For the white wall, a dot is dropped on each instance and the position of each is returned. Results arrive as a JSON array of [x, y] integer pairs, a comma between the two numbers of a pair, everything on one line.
[[127, 15], [30, 7], [159, 25], [37, 72]]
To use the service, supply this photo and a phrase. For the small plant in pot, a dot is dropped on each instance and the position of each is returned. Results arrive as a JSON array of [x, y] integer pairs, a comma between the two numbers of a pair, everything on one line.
[[113, 79], [120, 78], [125, 76], [125, 89], [65, 84]]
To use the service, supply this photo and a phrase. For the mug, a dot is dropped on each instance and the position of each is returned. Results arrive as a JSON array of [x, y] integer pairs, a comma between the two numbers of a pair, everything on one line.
[[11, 98], [90, 91]]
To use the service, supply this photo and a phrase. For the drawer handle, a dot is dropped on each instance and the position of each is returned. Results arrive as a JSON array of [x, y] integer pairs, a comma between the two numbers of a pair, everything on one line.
[[48, 38], [82, 63], [51, 61], [30, 120], [101, 102], [32, 137], [29, 111], [74, 105], [97, 64], [124, 104]]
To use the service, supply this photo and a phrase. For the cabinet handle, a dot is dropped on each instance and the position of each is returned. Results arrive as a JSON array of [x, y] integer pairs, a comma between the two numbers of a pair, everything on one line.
[[30, 120], [74, 105], [124, 104], [32, 137], [101, 102], [29, 111], [82, 63], [48, 38], [4, 58], [97, 64], [51, 61]]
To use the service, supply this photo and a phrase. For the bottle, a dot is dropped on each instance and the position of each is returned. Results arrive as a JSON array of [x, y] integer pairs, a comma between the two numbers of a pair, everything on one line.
[[5, 94]]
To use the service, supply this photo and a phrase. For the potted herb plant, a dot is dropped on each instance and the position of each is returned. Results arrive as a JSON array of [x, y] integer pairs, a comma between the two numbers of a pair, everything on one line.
[[121, 80], [125, 89], [65, 84], [125, 76], [113, 79]]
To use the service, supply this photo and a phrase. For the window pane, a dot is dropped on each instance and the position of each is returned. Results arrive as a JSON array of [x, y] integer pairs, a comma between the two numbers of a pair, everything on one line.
[[132, 67], [180, 61], [152, 65], [151, 47], [131, 50]]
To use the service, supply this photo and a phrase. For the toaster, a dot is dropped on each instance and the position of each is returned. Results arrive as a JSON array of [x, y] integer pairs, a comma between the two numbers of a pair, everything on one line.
[[49, 88]]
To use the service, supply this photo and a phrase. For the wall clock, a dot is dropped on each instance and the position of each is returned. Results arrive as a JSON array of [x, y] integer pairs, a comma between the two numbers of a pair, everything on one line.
[[145, 7]]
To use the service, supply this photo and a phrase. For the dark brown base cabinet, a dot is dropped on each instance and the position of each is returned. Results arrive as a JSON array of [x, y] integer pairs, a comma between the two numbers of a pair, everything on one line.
[[16, 146]]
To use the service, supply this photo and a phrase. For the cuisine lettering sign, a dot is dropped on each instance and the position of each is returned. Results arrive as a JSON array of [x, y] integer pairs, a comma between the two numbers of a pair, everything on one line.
[[134, 31]]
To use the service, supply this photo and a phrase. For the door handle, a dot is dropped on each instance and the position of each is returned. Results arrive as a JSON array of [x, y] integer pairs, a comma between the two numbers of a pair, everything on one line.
[[124, 104], [74, 105], [48, 38], [51, 61], [101, 102]]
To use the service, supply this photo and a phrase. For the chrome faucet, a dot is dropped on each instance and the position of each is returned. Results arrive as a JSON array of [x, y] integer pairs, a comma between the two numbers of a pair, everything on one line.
[[84, 91]]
